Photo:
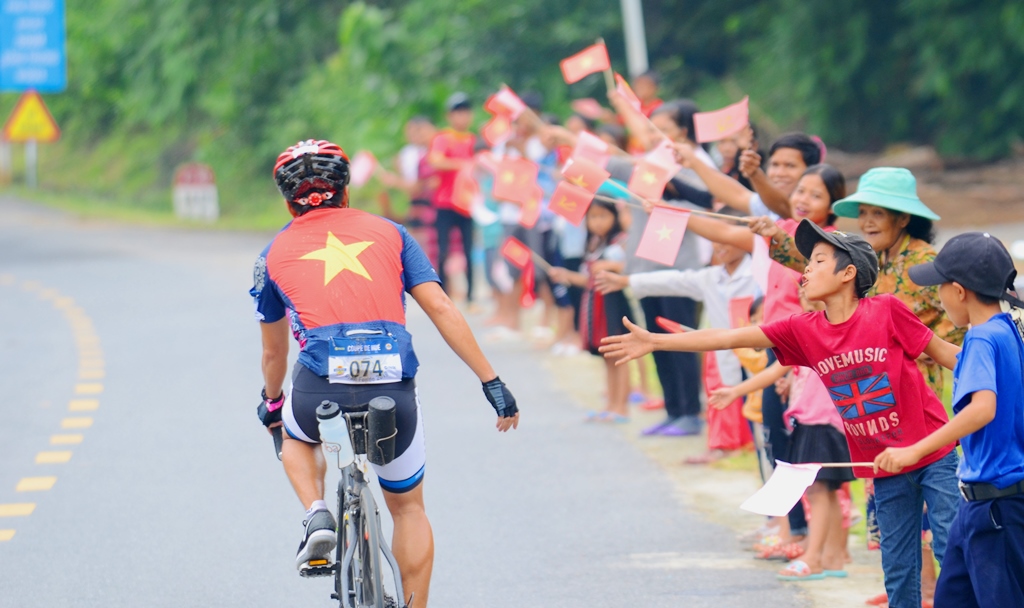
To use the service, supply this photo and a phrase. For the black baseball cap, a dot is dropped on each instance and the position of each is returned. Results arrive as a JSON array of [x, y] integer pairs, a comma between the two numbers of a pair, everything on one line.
[[865, 260], [458, 101], [976, 260]]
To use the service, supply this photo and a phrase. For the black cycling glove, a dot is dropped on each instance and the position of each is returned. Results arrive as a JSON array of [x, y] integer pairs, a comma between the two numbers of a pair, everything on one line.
[[500, 398], [269, 410]]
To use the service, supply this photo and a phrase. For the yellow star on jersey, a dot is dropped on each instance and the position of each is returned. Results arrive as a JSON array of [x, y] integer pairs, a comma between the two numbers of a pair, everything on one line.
[[665, 233], [338, 256]]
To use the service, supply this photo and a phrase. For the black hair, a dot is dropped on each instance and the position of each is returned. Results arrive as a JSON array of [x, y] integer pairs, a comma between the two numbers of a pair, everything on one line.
[[594, 240], [589, 123], [843, 260], [807, 147], [681, 112], [921, 228], [834, 182], [986, 300], [756, 305], [616, 132]]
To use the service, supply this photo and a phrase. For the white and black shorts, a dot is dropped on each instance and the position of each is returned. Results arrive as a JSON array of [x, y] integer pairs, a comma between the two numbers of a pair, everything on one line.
[[403, 473]]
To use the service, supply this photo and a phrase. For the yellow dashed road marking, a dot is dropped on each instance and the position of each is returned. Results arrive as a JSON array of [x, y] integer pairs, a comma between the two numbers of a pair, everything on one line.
[[17, 509], [65, 439], [31, 285], [89, 388], [76, 423], [83, 405], [52, 457], [34, 484], [64, 302], [46, 294], [6, 535]]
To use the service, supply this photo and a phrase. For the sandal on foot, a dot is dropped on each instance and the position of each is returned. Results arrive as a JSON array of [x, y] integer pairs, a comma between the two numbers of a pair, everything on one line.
[[878, 600], [835, 573], [797, 570], [613, 418], [786, 552]]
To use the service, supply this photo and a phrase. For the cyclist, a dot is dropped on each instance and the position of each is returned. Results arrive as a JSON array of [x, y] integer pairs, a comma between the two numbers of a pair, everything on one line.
[[336, 278]]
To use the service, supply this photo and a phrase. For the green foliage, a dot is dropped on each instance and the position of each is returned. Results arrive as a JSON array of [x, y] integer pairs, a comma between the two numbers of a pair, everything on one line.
[[231, 83]]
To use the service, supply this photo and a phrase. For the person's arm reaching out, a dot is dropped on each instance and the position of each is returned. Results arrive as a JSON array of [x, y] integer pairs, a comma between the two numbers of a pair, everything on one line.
[[750, 167], [722, 397], [639, 342], [979, 412], [456, 332], [943, 352], [723, 187], [720, 232]]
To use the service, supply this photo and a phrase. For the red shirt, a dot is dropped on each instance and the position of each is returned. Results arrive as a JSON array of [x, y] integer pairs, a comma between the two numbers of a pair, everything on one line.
[[867, 363], [455, 145]]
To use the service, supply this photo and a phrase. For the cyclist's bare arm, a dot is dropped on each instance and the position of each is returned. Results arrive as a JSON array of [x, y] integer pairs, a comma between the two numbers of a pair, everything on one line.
[[275, 355], [456, 332]]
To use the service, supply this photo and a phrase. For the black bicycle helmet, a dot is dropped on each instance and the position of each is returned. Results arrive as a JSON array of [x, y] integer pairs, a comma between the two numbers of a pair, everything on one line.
[[311, 172]]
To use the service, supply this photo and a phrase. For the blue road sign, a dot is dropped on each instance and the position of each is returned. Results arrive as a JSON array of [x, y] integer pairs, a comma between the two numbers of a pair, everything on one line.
[[32, 52]]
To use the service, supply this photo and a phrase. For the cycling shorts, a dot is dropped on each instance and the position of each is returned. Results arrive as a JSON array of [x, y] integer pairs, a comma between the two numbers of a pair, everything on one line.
[[403, 473]]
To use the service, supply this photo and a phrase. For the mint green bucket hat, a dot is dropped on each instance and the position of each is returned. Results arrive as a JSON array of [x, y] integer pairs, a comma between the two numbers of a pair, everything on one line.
[[887, 187]]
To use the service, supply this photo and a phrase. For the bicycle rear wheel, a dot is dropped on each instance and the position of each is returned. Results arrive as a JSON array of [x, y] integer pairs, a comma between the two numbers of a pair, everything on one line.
[[370, 537]]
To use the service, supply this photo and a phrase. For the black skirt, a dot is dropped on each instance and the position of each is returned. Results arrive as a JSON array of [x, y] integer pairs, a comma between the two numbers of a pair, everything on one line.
[[821, 443]]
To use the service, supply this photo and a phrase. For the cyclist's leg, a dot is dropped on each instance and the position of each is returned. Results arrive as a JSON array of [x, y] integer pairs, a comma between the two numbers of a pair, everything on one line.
[[413, 542], [305, 467], [402, 483]]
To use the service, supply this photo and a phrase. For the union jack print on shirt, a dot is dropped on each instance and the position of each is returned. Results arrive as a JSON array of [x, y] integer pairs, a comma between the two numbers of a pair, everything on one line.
[[863, 397]]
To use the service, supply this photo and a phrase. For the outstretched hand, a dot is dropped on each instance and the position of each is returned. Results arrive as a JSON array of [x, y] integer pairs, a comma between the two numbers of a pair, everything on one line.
[[626, 347], [607, 282], [894, 460], [750, 163], [685, 154], [763, 226], [721, 398]]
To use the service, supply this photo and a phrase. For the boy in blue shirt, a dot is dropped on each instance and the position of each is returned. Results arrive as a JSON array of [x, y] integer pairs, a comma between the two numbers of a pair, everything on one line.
[[984, 560]]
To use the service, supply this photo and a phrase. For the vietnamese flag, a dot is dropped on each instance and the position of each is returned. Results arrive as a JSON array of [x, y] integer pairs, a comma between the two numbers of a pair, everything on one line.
[[570, 202], [664, 155], [497, 130], [648, 179], [465, 189], [663, 235], [585, 174], [531, 207], [622, 88], [590, 60], [505, 102], [361, 169], [739, 312], [516, 252], [760, 262], [713, 126], [593, 148], [588, 107], [672, 327], [515, 180]]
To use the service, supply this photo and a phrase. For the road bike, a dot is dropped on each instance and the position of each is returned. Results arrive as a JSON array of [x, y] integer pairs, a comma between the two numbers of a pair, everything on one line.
[[359, 578]]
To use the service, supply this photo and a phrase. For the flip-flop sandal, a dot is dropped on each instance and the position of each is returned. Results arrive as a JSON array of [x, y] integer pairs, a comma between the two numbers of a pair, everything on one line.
[[614, 418], [797, 570], [786, 552], [593, 416], [835, 573]]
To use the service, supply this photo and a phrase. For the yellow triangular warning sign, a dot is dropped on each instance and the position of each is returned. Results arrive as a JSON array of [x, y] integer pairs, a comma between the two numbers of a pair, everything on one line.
[[30, 120]]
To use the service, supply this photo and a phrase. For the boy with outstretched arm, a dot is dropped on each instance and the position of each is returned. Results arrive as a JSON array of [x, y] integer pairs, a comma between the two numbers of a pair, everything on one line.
[[984, 562], [864, 350]]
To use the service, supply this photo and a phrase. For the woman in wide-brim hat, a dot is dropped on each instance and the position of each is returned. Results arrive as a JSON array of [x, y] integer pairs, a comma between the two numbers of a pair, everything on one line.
[[898, 225]]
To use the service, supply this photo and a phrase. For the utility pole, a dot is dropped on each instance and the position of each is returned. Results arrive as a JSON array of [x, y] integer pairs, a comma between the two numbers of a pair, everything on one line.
[[636, 38]]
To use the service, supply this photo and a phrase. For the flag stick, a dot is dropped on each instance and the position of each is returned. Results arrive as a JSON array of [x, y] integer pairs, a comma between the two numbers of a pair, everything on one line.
[[840, 465], [722, 216], [609, 76], [540, 261]]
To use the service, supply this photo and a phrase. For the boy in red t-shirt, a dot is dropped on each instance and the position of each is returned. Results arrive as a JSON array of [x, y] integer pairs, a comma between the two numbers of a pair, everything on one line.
[[864, 351]]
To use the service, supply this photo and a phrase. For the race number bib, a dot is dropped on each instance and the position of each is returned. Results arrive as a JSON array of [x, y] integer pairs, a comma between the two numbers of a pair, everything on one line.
[[364, 356]]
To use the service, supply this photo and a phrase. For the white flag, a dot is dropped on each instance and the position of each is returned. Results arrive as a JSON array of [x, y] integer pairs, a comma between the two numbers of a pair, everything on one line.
[[785, 487]]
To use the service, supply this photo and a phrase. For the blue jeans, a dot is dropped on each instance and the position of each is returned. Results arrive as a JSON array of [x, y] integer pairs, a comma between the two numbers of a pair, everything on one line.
[[899, 501]]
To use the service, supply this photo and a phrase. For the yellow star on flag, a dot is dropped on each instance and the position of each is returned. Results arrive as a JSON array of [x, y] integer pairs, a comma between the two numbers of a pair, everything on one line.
[[566, 204], [587, 61], [508, 177], [578, 180], [649, 177], [338, 256], [665, 233]]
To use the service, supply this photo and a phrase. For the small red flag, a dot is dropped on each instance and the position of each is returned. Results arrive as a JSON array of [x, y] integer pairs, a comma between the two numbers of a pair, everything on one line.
[[593, 148], [648, 179], [622, 88], [465, 189], [498, 130], [531, 207], [364, 163], [529, 278], [515, 180], [672, 327], [570, 202], [739, 311], [587, 107], [516, 252], [713, 126], [505, 102], [664, 155], [588, 61], [663, 235], [585, 174]]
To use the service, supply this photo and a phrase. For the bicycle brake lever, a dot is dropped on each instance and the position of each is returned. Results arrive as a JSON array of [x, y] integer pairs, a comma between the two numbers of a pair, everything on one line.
[[278, 440]]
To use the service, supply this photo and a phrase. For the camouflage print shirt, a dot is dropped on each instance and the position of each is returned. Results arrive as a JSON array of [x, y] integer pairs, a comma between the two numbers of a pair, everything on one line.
[[893, 279]]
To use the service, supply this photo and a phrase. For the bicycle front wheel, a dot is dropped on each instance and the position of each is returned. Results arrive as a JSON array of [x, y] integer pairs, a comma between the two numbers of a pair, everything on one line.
[[369, 524]]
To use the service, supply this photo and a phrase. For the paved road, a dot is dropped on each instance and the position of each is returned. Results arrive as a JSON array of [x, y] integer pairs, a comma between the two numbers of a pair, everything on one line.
[[170, 495]]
